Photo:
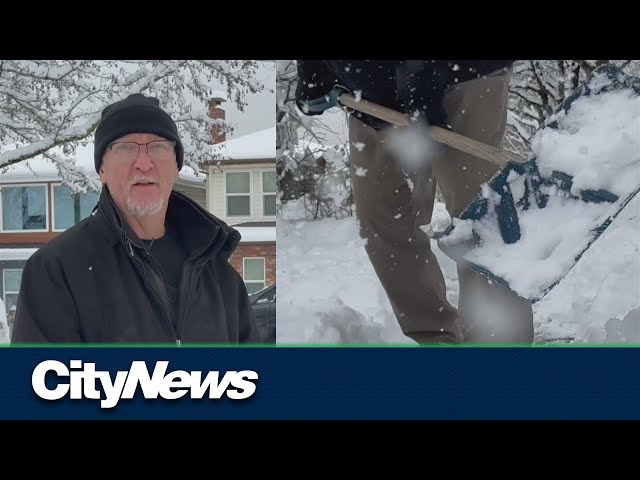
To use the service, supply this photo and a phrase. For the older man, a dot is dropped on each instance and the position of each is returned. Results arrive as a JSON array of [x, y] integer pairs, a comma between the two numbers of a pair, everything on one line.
[[149, 265]]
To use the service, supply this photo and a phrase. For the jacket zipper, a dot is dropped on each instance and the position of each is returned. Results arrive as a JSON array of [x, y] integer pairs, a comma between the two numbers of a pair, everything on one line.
[[179, 328], [164, 281], [155, 294], [182, 312]]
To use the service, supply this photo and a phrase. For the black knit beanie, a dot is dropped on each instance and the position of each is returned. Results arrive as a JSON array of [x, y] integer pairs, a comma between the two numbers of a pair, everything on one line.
[[134, 114]]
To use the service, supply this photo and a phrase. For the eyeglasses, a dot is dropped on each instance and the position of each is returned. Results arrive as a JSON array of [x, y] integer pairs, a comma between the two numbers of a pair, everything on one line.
[[157, 150]]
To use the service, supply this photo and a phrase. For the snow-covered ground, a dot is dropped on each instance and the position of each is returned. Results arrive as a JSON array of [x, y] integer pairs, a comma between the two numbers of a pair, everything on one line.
[[329, 293], [4, 325]]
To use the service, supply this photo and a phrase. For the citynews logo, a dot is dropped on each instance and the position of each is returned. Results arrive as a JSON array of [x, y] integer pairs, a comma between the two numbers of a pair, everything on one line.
[[83, 379]]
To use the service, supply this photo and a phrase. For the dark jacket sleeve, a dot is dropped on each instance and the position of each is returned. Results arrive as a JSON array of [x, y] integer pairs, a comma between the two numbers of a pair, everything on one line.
[[314, 81], [45, 311], [406, 85], [420, 89]]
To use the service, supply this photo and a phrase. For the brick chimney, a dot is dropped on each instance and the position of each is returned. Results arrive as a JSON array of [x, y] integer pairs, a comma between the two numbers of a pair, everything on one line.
[[216, 111]]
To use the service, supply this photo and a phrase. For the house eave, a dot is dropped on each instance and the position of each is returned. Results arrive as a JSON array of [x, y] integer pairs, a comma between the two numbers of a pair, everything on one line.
[[243, 161]]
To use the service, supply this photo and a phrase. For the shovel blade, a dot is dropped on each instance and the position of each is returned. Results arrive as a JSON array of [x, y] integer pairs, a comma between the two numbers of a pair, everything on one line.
[[532, 223]]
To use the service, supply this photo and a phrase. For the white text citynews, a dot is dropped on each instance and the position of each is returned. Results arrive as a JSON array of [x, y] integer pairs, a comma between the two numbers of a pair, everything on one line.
[[81, 380]]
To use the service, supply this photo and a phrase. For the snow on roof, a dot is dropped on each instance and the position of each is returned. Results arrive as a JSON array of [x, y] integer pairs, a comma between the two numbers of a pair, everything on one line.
[[188, 173], [219, 94], [257, 234], [253, 146], [41, 168], [16, 253]]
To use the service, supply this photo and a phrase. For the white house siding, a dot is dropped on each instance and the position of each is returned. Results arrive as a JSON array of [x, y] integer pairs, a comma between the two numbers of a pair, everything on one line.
[[217, 201], [198, 194]]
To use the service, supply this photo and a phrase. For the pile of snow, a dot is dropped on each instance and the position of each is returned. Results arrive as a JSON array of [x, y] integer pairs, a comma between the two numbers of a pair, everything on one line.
[[331, 293], [597, 142], [440, 220], [319, 299], [328, 290], [603, 285], [626, 330], [5, 336]]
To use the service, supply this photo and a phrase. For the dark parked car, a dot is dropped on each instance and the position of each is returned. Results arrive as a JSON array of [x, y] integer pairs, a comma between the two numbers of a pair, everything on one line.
[[264, 310]]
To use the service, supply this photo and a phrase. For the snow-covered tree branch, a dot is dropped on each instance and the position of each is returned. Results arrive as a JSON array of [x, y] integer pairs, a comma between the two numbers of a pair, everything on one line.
[[538, 87], [309, 169], [50, 107]]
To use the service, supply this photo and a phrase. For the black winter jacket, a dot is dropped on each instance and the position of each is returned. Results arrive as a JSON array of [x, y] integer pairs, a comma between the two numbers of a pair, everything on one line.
[[95, 283], [408, 86]]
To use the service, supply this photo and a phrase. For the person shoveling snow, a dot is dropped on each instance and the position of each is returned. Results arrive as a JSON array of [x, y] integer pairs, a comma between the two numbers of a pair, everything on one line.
[[395, 197]]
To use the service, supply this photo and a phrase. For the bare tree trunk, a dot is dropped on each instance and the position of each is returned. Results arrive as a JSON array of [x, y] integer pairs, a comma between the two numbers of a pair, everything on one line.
[[575, 75]]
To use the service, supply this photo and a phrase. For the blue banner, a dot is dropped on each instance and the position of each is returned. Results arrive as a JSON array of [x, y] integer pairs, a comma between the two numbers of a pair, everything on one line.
[[337, 383]]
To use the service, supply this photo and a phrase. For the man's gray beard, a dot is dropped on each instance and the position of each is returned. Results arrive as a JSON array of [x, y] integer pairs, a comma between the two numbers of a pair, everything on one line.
[[144, 209]]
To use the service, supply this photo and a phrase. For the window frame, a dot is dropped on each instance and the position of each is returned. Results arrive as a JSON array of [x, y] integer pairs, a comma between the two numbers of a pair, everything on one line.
[[4, 286], [264, 272], [53, 208], [263, 193], [46, 207], [227, 195]]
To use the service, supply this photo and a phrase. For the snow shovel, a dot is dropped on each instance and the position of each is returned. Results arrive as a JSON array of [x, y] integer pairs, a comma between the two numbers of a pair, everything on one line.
[[535, 218]]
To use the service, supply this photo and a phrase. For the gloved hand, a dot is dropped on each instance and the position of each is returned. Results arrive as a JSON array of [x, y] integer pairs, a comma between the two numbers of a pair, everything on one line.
[[317, 106], [315, 82]]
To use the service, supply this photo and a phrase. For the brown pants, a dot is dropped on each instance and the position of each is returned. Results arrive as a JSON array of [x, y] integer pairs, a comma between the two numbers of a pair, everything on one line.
[[390, 209]]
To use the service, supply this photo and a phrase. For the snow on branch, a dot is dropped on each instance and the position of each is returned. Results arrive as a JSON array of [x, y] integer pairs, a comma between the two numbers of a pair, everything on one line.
[[46, 104]]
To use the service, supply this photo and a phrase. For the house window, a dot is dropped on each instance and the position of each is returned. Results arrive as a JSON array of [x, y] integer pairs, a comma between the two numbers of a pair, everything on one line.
[[11, 284], [269, 194], [253, 274], [24, 208], [238, 193], [69, 208]]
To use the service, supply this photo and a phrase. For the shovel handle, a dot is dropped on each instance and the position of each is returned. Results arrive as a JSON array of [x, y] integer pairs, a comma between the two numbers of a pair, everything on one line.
[[468, 145]]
